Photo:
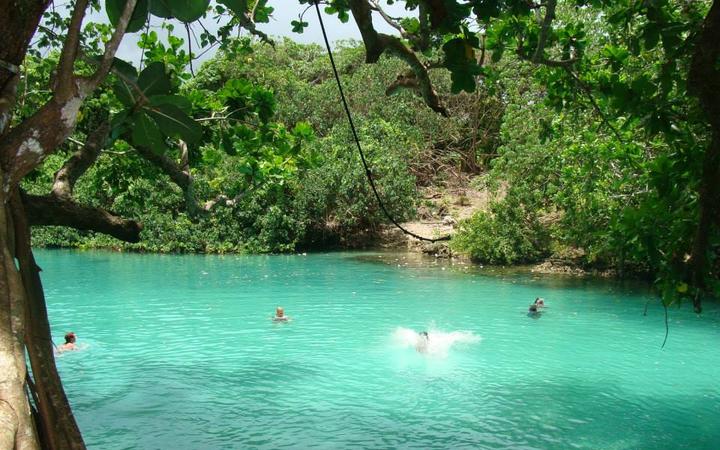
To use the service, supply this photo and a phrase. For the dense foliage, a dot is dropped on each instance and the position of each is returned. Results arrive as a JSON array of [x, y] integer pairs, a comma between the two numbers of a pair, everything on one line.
[[299, 185], [610, 171]]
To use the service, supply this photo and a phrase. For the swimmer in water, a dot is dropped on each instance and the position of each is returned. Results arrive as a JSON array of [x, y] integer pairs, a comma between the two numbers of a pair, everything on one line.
[[69, 344], [422, 342], [533, 311], [280, 315], [539, 302]]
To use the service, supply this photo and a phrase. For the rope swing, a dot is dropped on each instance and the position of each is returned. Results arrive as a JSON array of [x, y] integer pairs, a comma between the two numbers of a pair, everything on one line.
[[368, 172]]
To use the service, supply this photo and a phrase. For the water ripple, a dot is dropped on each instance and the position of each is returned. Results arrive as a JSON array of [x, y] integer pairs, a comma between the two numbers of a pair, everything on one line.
[[180, 353]]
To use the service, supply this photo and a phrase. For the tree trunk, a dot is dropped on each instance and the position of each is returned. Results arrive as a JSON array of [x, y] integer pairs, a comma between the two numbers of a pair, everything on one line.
[[56, 419], [18, 22], [17, 430], [704, 83]]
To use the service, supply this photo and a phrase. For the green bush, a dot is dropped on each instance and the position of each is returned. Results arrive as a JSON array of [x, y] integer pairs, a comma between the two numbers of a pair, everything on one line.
[[507, 235]]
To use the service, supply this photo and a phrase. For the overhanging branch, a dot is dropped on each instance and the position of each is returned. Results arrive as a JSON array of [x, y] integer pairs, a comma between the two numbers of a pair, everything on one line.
[[44, 210], [376, 43], [178, 173]]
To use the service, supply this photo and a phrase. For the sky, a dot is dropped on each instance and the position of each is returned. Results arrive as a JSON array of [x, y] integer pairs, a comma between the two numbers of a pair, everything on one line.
[[279, 26]]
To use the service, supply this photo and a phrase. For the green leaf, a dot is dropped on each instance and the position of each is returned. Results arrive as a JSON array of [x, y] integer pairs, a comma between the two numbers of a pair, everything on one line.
[[299, 26], [238, 7], [462, 81], [188, 10], [303, 130], [124, 68], [115, 8], [177, 100], [125, 92], [146, 133], [118, 124], [161, 8], [263, 12], [485, 9], [227, 145], [410, 24], [154, 80], [462, 65], [174, 122]]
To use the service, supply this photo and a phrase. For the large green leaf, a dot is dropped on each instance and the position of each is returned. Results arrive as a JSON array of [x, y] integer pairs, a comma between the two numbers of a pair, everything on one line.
[[188, 10], [161, 8], [118, 124], [124, 68], [154, 80], [459, 59], [239, 7], [115, 8], [146, 133], [174, 122], [126, 92], [126, 75], [177, 100]]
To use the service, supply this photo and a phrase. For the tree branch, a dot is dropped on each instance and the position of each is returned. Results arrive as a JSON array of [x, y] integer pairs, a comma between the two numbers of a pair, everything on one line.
[[27, 145], [65, 71], [18, 23], [224, 200], [113, 44], [80, 161], [405, 80], [588, 92], [376, 43], [375, 6], [93, 62], [43, 210], [179, 174], [247, 20], [704, 83], [8, 95], [539, 55]]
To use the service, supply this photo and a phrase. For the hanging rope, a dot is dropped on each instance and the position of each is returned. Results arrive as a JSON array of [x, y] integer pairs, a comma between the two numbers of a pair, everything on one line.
[[368, 173]]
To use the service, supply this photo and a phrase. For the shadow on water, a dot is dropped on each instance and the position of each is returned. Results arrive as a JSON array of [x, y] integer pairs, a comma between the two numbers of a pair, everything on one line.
[[213, 405]]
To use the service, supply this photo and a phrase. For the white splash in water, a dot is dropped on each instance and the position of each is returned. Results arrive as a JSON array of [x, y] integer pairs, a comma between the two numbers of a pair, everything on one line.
[[437, 342]]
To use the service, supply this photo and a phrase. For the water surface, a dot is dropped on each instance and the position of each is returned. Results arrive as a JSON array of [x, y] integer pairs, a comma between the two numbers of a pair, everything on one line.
[[180, 353]]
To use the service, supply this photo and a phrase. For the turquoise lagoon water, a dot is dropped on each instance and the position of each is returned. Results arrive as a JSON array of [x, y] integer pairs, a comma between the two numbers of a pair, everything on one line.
[[180, 353]]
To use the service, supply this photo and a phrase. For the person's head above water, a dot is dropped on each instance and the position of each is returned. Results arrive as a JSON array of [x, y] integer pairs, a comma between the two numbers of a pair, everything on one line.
[[279, 312], [424, 334], [70, 338]]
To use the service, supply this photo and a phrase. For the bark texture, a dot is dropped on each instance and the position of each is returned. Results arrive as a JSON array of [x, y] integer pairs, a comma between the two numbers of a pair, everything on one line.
[[59, 429], [704, 83], [18, 21], [80, 161], [17, 429], [52, 210]]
